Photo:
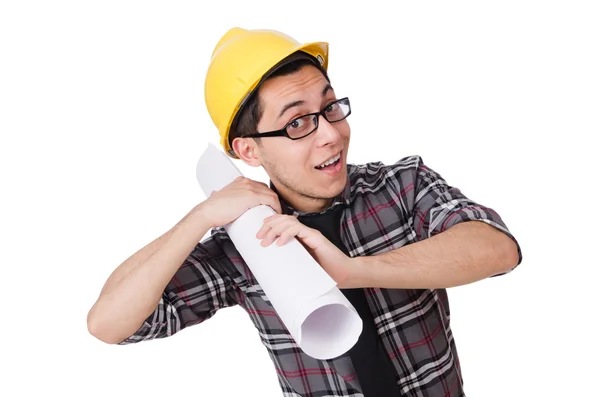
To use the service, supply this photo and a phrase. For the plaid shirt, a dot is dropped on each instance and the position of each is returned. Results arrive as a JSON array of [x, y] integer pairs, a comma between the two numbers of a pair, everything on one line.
[[386, 207]]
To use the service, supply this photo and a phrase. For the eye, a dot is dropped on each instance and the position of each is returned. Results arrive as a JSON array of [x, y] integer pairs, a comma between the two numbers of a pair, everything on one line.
[[332, 107], [295, 124]]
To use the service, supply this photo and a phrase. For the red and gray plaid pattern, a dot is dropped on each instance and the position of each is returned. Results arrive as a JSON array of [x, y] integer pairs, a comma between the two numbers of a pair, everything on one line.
[[386, 207]]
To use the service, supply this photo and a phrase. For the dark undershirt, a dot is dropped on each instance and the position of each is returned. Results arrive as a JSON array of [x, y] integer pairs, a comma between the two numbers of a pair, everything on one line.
[[372, 365]]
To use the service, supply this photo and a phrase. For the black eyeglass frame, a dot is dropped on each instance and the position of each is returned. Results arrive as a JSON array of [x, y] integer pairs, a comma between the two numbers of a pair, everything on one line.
[[283, 131]]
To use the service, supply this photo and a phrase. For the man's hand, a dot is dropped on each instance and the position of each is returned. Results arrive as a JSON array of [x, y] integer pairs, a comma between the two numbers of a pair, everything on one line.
[[233, 200], [286, 227]]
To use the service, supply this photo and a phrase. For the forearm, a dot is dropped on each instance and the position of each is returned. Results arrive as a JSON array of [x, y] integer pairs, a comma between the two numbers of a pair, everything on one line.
[[133, 261], [465, 253], [134, 289]]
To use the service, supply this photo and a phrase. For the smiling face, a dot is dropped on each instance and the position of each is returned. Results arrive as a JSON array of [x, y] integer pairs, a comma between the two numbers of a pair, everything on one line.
[[294, 166]]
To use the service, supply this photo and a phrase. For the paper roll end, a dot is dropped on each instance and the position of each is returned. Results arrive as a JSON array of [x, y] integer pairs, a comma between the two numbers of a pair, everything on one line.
[[329, 331]]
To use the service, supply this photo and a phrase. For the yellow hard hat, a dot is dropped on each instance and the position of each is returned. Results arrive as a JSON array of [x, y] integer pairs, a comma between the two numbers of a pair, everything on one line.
[[239, 61]]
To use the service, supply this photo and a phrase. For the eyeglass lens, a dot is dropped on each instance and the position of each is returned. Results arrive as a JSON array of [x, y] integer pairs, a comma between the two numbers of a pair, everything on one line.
[[304, 125]]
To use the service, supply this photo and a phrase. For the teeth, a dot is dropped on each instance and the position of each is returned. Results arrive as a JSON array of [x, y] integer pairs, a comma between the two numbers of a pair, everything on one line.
[[330, 161]]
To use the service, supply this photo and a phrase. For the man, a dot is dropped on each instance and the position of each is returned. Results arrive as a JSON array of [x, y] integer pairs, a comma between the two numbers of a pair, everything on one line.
[[392, 236]]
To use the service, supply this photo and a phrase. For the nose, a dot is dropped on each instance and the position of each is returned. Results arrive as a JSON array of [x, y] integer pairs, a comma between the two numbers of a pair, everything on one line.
[[326, 133]]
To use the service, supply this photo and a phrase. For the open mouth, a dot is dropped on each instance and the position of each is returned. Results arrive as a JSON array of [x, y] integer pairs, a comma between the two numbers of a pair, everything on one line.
[[331, 163]]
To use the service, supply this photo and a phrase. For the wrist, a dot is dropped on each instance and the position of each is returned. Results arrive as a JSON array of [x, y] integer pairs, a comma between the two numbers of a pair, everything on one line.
[[198, 216], [358, 276]]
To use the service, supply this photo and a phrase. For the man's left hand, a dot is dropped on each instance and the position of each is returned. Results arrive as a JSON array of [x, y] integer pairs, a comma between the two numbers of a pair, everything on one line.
[[286, 227]]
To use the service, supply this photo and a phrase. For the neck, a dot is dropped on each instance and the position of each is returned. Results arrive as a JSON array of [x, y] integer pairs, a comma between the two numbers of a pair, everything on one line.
[[301, 202], [309, 204]]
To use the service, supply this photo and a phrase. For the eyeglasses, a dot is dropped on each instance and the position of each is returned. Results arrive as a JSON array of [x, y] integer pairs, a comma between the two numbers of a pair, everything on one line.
[[305, 125]]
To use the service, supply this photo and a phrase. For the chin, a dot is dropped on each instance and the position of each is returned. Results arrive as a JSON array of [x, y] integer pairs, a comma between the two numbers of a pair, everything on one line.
[[337, 187]]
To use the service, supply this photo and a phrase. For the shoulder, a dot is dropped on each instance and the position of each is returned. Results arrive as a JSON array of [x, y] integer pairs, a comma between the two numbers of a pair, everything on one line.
[[373, 170], [215, 251], [374, 175], [211, 247]]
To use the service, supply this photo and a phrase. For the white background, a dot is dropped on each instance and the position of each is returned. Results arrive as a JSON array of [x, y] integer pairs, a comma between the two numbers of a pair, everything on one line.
[[102, 120]]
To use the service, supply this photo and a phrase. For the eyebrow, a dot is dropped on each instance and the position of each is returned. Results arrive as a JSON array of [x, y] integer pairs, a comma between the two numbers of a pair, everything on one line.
[[327, 88]]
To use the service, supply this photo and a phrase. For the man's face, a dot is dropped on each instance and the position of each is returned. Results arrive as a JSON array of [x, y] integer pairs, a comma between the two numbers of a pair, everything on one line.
[[293, 166]]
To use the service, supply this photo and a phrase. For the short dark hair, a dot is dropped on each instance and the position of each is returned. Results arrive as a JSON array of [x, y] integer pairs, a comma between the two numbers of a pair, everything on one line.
[[246, 120]]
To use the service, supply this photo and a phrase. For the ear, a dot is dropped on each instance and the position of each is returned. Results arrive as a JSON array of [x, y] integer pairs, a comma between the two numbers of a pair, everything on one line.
[[247, 150]]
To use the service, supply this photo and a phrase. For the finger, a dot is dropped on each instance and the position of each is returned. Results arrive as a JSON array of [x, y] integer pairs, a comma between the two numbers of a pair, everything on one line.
[[256, 186], [278, 219], [268, 196], [250, 185], [271, 234], [262, 197], [238, 180], [299, 231], [287, 235], [268, 223], [254, 198], [271, 196], [274, 230], [272, 200], [270, 218], [271, 222], [275, 203], [268, 238]]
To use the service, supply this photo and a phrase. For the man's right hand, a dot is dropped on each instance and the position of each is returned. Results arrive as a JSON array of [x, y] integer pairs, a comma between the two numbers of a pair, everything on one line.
[[134, 289], [233, 200]]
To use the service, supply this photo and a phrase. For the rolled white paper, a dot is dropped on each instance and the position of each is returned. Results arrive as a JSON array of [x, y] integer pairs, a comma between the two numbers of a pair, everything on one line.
[[318, 316]]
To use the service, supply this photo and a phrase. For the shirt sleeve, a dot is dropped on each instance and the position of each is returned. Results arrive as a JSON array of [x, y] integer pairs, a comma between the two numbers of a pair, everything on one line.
[[194, 294], [438, 206]]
